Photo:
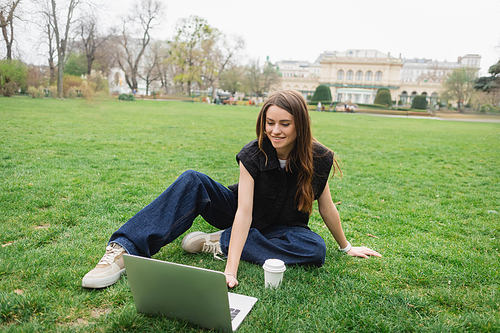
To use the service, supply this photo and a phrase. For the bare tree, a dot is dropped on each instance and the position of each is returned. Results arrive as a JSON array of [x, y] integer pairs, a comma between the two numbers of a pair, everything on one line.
[[52, 48], [220, 58], [61, 29], [150, 71], [163, 66], [7, 16], [253, 77], [88, 31], [460, 85], [260, 80], [131, 50], [435, 73]]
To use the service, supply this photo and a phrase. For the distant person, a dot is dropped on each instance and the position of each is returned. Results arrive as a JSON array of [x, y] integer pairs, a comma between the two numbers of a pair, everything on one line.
[[265, 215], [331, 107], [319, 107]]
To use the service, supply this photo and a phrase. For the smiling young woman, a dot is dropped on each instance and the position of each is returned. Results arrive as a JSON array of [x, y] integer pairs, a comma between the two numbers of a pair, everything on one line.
[[264, 216], [280, 130]]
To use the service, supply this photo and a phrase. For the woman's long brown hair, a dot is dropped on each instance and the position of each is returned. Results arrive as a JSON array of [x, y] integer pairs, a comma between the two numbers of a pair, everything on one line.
[[302, 153]]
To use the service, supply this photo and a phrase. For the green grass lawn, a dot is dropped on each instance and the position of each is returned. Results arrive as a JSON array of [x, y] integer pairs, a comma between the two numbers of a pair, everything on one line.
[[424, 193]]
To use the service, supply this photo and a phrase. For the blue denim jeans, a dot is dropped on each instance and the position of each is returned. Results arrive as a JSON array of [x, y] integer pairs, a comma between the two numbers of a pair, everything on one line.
[[193, 194]]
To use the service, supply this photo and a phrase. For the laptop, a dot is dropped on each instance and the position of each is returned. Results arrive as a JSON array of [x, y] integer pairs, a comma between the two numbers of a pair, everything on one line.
[[184, 292]]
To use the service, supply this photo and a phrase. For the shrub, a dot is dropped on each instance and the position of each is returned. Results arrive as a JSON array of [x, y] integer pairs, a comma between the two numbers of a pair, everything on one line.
[[126, 97], [87, 90], [9, 88], [322, 94], [383, 97], [419, 102], [36, 92], [98, 83], [52, 92], [35, 76], [71, 84], [13, 75]]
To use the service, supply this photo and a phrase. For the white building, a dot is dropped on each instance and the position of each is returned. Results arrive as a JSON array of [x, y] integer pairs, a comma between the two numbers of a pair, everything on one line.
[[356, 75], [427, 70]]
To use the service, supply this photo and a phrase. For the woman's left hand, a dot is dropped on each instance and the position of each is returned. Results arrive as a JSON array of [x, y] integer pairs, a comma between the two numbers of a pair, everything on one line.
[[363, 252]]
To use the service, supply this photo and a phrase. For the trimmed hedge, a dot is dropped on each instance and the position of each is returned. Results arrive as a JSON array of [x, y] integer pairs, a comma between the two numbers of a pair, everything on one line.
[[383, 97], [322, 94], [419, 102]]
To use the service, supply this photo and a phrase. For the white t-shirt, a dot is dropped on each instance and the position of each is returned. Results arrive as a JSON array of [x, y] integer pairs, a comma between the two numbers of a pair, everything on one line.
[[282, 163]]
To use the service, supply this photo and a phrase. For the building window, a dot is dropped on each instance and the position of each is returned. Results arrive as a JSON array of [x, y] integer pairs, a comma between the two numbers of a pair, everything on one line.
[[340, 75], [339, 97], [349, 75], [368, 76], [378, 76], [359, 75]]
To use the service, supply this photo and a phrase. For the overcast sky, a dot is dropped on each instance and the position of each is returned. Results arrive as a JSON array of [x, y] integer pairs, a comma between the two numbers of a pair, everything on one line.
[[302, 30]]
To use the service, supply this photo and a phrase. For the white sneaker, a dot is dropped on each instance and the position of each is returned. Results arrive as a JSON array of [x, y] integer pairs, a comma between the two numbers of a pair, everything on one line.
[[198, 242], [109, 269]]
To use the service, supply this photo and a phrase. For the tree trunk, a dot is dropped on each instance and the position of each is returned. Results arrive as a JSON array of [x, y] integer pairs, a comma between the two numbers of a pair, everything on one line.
[[90, 60], [52, 70], [60, 76]]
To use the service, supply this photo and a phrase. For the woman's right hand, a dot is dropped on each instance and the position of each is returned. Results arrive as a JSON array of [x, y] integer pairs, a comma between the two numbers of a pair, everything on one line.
[[231, 280]]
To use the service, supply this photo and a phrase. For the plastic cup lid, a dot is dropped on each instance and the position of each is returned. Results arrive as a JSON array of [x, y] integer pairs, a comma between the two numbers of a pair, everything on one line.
[[274, 266]]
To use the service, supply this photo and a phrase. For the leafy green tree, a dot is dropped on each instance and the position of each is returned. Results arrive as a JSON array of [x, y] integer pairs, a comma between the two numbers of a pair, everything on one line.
[[383, 97], [489, 83], [76, 64], [488, 87], [419, 102], [460, 85], [193, 35], [13, 74], [322, 94], [231, 79], [259, 80]]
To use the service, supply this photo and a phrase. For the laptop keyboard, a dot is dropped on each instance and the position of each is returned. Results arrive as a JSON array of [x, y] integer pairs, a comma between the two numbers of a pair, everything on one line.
[[234, 313]]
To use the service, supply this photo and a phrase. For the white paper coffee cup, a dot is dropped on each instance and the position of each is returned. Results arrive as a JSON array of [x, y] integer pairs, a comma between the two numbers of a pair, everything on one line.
[[273, 272]]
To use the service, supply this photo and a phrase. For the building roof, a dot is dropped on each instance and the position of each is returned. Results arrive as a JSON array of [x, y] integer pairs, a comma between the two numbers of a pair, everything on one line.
[[354, 53]]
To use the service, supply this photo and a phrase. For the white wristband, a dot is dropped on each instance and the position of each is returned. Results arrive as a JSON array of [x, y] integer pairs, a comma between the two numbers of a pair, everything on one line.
[[347, 248]]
